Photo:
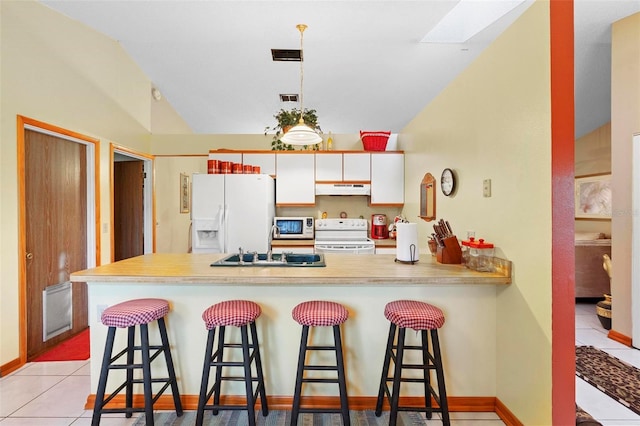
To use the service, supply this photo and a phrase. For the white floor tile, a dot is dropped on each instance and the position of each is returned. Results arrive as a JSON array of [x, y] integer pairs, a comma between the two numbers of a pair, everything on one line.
[[107, 421], [65, 399], [591, 337], [17, 391], [53, 368], [601, 407], [37, 421]]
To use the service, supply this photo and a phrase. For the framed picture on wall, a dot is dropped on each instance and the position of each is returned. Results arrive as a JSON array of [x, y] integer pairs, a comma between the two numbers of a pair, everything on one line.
[[593, 196], [184, 193]]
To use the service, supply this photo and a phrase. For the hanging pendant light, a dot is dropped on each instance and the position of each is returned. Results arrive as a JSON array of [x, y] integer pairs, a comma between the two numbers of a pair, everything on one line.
[[301, 134]]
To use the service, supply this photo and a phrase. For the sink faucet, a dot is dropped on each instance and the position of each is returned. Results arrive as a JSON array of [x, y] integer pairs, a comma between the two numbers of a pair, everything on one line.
[[275, 232], [240, 256]]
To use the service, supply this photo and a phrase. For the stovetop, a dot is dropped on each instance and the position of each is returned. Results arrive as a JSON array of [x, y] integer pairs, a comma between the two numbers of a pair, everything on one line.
[[341, 229]]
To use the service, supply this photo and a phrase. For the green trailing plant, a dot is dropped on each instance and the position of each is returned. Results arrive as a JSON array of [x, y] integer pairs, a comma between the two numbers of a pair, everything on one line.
[[285, 120]]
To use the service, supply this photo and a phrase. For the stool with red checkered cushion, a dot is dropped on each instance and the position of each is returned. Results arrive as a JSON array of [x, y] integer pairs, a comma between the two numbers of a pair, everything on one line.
[[320, 313], [423, 317], [242, 314], [129, 314]]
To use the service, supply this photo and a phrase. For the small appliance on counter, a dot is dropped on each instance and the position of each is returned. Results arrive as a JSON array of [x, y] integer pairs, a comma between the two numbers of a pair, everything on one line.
[[379, 228], [294, 228]]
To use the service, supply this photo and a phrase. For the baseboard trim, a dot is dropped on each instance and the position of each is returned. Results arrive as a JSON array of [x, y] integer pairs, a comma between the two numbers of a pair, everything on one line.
[[456, 403], [10, 367], [619, 337], [506, 415]]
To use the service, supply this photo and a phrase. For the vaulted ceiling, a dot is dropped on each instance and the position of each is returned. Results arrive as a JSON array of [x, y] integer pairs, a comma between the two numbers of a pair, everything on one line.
[[364, 64]]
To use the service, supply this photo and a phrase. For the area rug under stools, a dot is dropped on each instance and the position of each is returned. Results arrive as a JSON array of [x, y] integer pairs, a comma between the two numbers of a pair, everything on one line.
[[616, 378], [283, 418]]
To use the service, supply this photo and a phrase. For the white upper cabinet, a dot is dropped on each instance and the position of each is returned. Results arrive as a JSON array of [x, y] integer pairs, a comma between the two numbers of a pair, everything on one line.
[[356, 166], [328, 166], [387, 178], [266, 161], [295, 179]]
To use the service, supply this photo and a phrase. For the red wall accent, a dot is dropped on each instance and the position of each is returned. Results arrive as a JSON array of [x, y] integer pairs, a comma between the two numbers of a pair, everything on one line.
[[562, 178]]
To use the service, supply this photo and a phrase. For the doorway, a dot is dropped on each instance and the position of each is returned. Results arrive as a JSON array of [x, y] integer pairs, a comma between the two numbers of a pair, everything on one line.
[[635, 246], [57, 201], [132, 212]]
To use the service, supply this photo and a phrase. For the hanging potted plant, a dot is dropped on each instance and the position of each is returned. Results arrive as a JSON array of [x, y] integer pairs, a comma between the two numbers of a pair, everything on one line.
[[285, 120]]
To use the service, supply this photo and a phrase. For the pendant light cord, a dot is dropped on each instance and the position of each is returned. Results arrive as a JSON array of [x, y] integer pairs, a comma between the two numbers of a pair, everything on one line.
[[301, 28]]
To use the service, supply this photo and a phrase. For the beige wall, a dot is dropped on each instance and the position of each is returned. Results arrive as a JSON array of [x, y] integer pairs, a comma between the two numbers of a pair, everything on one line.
[[625, 121], [493, 122], [59, 72], [593, 156]]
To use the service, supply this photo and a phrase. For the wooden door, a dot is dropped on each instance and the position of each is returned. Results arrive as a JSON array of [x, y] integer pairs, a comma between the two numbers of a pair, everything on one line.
[[128, 209], [56, 230]]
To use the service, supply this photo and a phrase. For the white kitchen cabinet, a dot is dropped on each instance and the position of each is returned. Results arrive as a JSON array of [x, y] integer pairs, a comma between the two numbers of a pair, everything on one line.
[[328, 166], [266, 161], [356, 166], [295, 179], [387, 178]]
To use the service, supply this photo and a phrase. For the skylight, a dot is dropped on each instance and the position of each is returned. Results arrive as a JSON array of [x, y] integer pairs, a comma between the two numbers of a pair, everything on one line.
[[468, 18]]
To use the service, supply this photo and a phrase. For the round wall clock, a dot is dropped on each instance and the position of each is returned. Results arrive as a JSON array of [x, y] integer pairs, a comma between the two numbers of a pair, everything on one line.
[[448, 182]]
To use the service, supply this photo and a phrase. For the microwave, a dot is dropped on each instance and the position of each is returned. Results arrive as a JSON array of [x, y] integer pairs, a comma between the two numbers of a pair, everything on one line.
[[293, 228]]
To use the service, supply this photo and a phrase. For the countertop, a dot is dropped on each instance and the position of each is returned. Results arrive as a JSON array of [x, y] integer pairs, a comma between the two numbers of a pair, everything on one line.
[[364, 269]]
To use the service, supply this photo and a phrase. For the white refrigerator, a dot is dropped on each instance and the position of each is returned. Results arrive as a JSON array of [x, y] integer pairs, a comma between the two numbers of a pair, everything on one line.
[[229, 211]]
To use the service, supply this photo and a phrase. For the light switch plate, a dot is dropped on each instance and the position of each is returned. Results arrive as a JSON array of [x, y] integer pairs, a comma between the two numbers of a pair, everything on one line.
[[486, 188]]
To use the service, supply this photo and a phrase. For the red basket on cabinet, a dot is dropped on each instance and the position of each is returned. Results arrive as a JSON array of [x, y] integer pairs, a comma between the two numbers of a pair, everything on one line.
[[374, 141]]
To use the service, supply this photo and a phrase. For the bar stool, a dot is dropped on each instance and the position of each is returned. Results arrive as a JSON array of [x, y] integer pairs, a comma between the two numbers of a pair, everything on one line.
[[320, 313], [129, 314], [421, 316], [237, 313]]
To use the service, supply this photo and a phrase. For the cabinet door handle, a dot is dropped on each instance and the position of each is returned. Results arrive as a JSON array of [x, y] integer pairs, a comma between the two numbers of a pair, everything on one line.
[[29, 256]]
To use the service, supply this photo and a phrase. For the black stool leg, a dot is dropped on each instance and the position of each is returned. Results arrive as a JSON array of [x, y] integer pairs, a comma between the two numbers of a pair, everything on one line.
[[204, 385], [218, 362], [426, 373], [146, 374], [397, 378], [169, 361], [437, 360], [344, 401], [385, 369], [104, 373], [248, 383], [258, 360], [298, 390], [131, 342]]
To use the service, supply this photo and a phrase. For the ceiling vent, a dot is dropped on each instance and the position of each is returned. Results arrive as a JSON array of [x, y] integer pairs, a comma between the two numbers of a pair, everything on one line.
[[293, 97], [286, 55]]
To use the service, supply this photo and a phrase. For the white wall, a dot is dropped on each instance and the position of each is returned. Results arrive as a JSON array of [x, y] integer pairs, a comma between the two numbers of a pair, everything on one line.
[[625, 122], [59, 72], [493, 122]]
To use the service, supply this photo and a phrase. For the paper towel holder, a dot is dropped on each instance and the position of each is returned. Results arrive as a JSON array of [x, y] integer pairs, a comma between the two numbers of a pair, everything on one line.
[[412, 250], [428, 198]]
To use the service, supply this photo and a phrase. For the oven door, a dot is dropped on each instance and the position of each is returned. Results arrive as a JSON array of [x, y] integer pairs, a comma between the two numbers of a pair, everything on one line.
[[345, 247]]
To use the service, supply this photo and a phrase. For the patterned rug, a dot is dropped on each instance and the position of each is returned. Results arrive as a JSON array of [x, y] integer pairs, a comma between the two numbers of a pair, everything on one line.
[[616, 378], [282, 418]]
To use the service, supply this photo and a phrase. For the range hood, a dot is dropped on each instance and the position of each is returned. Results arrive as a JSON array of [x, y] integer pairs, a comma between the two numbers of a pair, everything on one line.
[[343, 189]]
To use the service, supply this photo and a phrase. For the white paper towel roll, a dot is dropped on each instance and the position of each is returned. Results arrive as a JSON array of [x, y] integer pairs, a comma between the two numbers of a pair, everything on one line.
[[407, 249]]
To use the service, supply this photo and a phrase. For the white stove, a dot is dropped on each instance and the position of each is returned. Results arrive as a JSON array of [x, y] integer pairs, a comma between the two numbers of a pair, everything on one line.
[[348, 236]]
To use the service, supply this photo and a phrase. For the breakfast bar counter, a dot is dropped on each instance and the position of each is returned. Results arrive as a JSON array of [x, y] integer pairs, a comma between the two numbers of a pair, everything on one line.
[[362, 283]]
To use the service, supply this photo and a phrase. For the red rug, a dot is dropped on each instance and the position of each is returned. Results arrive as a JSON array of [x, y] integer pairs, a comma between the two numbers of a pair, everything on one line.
[[73, 349]]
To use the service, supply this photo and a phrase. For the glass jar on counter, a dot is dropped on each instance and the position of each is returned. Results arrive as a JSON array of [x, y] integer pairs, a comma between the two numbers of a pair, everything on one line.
[[481, 256]]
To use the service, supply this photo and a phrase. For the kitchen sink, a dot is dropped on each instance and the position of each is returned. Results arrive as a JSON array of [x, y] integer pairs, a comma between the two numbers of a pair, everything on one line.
[[277, 259]]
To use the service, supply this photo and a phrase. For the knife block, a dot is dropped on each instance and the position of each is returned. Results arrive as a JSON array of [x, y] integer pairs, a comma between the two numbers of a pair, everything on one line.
[[451, 253]]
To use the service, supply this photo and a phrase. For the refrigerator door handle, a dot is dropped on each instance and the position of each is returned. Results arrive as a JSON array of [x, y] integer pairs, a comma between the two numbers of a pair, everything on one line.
[[225, 215]]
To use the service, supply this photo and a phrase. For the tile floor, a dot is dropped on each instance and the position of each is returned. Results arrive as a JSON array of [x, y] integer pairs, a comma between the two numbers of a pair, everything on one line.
[[54, 393], [589, 331]]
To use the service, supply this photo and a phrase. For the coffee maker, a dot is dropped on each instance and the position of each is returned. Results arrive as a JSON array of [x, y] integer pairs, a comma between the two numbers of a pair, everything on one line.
[[379, 227]]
